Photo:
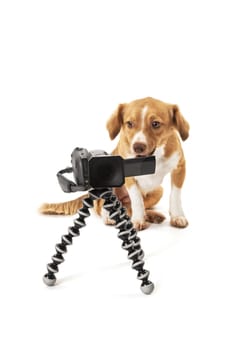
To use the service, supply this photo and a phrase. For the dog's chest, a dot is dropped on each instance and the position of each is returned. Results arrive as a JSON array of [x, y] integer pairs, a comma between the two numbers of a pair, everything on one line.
[[148, 183]]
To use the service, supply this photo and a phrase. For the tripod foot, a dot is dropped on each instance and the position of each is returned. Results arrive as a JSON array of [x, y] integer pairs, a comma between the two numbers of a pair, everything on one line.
[[49, 281], [147, 288]]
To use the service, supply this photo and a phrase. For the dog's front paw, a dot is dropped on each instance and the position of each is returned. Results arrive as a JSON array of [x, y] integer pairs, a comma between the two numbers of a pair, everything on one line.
[[108, 221], [106, 218], [140, 225], [179, 221]]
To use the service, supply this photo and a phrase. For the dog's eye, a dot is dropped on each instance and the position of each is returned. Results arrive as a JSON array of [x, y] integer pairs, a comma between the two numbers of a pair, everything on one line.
[[130, 124], [155, 124]]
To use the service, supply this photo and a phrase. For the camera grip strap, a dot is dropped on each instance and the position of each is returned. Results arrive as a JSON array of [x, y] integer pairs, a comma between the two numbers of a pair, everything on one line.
[[66, 184]]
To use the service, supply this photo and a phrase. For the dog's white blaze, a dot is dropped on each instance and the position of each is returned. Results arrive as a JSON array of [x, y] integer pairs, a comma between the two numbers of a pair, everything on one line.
[[143, 115], [140, 136], [164, 166], [136, 203], [175, 202]]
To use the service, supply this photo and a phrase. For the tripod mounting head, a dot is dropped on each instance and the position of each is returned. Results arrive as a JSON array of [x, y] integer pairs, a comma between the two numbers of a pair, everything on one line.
[[96, 169]]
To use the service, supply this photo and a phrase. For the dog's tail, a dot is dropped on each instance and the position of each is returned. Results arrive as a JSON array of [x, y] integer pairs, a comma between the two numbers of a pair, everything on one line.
[[65, 208]]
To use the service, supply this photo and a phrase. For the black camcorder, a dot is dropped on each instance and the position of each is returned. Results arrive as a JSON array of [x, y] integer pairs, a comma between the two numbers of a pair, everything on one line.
[[96, 169]]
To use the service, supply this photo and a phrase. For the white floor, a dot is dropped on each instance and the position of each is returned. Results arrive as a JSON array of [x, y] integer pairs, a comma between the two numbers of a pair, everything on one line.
[[64, 70], [97, 302]]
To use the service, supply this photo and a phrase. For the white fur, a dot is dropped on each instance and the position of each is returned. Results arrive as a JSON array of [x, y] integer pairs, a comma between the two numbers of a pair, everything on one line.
[[136, 203], [164, 166], [143, 115], [105, 216], [148, 183], [175, 202], [140, 136]]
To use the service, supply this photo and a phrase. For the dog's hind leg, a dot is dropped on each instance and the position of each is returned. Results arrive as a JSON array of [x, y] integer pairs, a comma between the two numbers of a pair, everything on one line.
[[150, 199]]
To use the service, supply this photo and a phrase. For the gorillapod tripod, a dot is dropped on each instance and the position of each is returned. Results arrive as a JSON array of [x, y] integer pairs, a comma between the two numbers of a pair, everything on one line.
[[131, 242]]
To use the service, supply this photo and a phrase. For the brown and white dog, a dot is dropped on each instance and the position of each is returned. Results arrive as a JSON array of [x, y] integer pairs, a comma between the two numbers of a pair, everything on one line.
[[146, 127]]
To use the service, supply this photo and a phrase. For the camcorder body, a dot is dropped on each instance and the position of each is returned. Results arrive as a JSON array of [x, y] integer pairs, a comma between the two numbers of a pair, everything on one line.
[[97, 169]]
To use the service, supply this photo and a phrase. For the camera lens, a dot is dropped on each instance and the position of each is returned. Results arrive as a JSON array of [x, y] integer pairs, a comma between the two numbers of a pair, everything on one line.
[[106, 171]]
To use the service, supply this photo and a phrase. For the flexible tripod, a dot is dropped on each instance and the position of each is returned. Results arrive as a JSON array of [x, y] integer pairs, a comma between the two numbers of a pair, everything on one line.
[[131, 242]]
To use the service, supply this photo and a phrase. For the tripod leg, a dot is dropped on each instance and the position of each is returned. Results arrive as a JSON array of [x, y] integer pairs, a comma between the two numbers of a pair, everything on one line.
[[61, 248], [131, 242]]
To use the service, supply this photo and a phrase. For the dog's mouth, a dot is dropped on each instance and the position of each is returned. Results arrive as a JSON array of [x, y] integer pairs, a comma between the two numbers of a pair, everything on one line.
[[145, 155]]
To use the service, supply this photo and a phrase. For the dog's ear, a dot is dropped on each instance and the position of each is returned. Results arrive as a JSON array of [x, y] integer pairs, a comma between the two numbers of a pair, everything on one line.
[[115, 121], [180, 123]]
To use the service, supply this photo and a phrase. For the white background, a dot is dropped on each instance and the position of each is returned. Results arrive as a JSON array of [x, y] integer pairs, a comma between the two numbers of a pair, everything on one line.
[[65, 65]]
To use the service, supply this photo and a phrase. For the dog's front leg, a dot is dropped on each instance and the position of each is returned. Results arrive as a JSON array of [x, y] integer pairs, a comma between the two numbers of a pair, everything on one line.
[[178, 218], [137, 205]]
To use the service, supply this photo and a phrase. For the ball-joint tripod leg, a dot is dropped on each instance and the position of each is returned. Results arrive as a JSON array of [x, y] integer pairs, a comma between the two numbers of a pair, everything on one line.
[[61, 248], [131, 242]]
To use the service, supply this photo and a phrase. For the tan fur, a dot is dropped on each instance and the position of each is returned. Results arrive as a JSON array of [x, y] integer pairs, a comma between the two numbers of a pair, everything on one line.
[[178, 175], [65, 208], [98, 206], [169, 115], [171, 121]]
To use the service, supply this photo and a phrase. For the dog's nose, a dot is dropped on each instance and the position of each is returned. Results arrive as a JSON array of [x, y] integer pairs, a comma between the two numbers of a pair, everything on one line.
[[139, 147]]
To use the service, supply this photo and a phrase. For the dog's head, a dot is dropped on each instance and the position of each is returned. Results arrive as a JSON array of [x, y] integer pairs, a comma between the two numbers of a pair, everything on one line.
[[146, 124]]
